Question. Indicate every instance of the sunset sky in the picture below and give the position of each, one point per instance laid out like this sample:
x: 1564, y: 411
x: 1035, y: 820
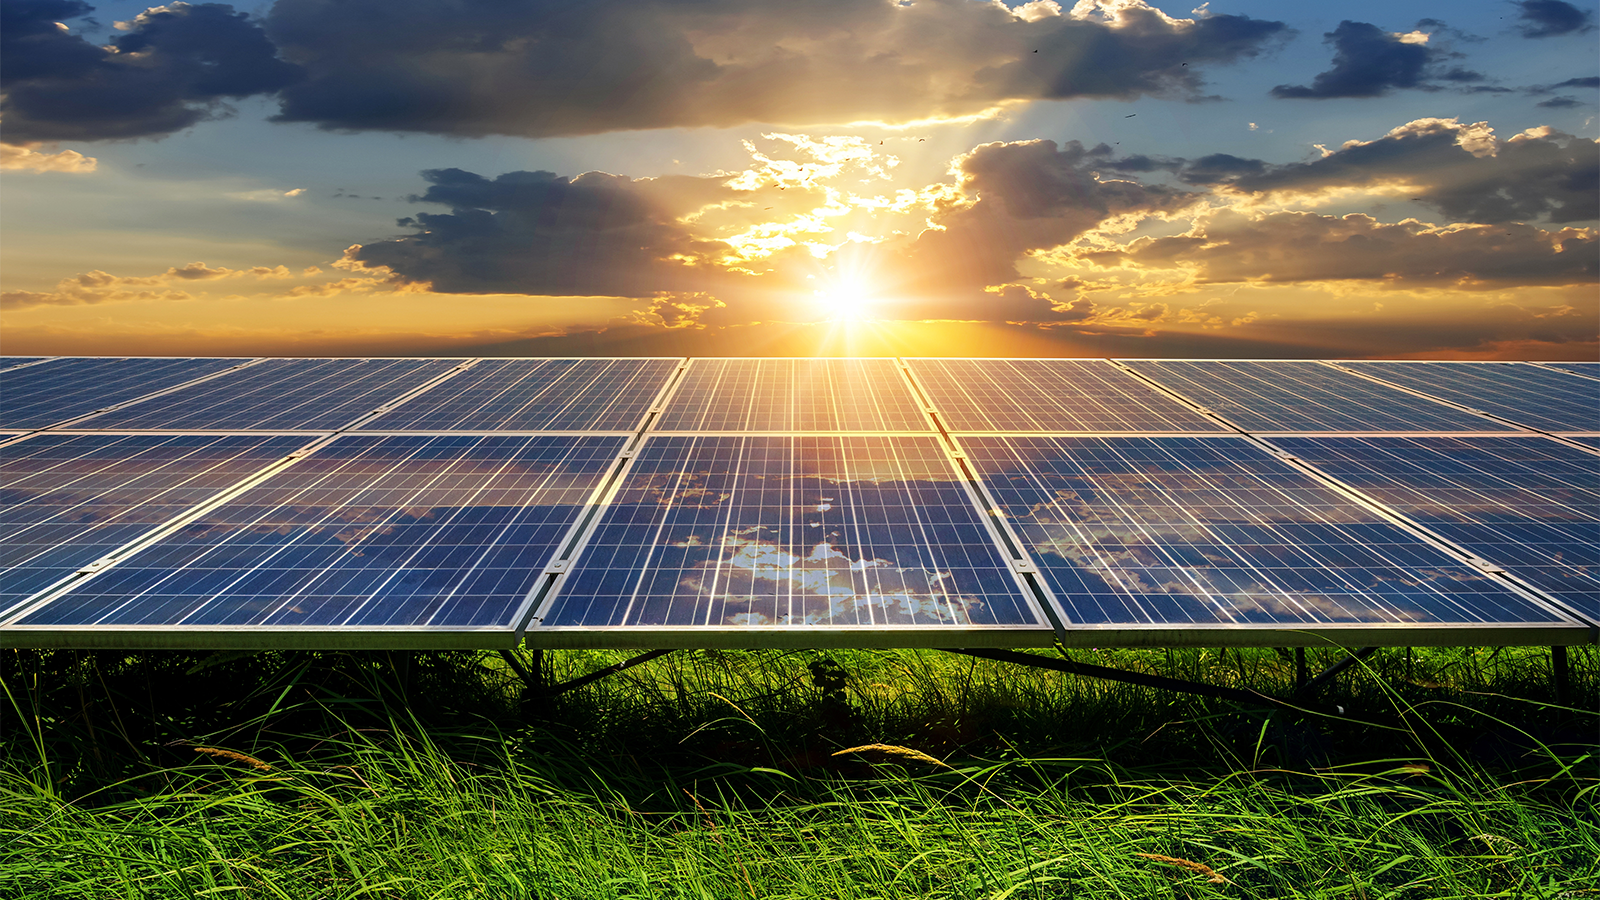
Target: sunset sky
x: 770, y: 177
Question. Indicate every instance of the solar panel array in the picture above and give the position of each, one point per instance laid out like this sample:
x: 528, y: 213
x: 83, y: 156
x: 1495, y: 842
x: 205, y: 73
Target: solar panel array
x: 795, y: 502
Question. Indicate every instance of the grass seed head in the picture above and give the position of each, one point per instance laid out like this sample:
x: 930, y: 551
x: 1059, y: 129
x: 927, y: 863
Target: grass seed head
x: 893, y: 750
x: 230, y: 754
x: 1198, y: 868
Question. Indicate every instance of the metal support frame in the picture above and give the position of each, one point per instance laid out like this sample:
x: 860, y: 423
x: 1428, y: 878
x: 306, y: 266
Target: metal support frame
x: 1092, y: 671
x: 1332, y: 672
x: 1559, y: 672
x: 1304, y: 688
x: 535, y: 679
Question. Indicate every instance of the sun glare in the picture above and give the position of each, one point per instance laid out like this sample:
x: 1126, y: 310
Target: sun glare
x: 845, y: 301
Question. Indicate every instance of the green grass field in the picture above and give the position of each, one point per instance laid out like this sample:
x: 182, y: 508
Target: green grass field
x: 868, y: 774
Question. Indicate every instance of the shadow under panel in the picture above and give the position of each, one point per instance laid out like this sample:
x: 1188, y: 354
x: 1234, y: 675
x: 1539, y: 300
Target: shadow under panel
x: 793, y: 395
x: 1203, y: 540
x: 1301, y: 395
x: 1528, y: 504
x: 66, y: 500
x: 793, y: 541
x: 442, y: 535
x: 1528, y: 395
x: 281, y: 395
x: 66, y: 388
x: 535, y: 395
x: 1019, y: 395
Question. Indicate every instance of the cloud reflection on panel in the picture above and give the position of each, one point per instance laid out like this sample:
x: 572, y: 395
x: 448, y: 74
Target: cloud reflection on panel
x: 1204, y: 531
x: 787, y: 531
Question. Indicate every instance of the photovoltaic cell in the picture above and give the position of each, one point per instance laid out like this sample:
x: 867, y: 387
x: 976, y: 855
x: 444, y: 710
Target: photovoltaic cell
x: 1588, y: 440
x: 791, y: 531
x: 66, y: 500
x: 1528, y: 395
x: 535, y: 395
x: 1591, y: 369
x: 1301, y: 395
x: 11, y: 362
x: 280, y: 394
x: 1529, y: 504
x: 1019, y: 395
x: 446, y: 531
x: 64, y: 388
x: 793, y: 395
x: 1188, y: 532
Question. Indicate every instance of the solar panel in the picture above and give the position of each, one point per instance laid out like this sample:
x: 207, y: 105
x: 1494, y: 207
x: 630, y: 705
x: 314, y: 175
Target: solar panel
x: 280, y: 394
x: 793, y: 395
x: 1529, y: 504
x: 1302, y: 395
x: 439, y: 532
x: 1588, y: 440
x: 792, y: 532
x: 1186, y: 533
x: 62, y: 389
x: 536, y: 395
x: 1019, y: 395
x: 11, y: 362
x: 1528, y: 395
x: 1591, y: 369
x: 66, y: 500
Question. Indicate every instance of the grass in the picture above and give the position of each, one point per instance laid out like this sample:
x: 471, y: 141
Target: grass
x: 705, y: 774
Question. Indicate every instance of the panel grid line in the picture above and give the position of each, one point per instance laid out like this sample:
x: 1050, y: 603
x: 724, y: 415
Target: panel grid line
x: 7, y: 397
x: 1389, y: 514
x: 1562, y: 402
x: 449, y: 532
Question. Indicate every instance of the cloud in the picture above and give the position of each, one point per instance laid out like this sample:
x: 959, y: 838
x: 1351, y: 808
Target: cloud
x: 171, y: 67
x: 95, y: 287
x: 1030, y: 195
x: 541, y: 233
x: 1465, y: 171
x: 1370, y: 62
x: 774, y: 242
x: 553, y: 68
x: 30, y: 159
x: 1548, y: 18
x: 544, y: 67
x: 1231, y: 246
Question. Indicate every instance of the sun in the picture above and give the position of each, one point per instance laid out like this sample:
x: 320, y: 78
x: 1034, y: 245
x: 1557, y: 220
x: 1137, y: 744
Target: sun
x: 845, y: 301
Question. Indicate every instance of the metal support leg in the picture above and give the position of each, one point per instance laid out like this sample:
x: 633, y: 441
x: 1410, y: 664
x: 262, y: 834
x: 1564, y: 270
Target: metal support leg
x: 535, y: 679
x: 1558, y: 668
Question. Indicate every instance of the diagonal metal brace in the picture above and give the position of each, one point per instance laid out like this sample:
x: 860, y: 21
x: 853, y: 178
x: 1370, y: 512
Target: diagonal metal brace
x: 1092, y: 671
x: 594, y: 676
x: 1315, y: 684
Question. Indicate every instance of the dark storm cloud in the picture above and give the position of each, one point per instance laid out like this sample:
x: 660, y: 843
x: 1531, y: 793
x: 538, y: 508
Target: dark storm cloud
x: 170, y: 68
x: 1370, y: 62
x: 1462, y: 170
x: 550, y: 68
x: 1548, y: 18
x: 543, y: 234
x: 32, y: 46
x: 1228, y: 246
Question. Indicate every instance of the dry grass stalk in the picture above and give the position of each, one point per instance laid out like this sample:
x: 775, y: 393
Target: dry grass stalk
x: 893, y: 750
x: 230, y: 754
x: 1198, y: 868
